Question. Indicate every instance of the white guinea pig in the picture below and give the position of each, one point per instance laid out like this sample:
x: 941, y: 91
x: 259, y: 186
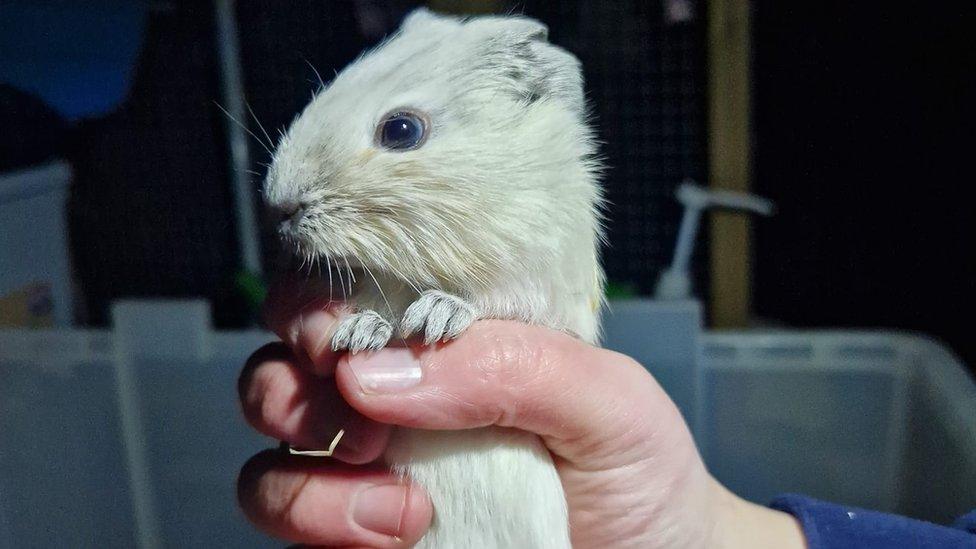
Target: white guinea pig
x: 453, y: 169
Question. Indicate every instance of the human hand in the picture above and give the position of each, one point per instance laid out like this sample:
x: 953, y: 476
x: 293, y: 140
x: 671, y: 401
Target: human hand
x: 631, y: 472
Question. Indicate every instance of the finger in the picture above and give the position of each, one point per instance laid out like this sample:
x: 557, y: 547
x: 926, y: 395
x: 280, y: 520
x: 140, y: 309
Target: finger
x: 303, y: 313
x: 287, y: 402
x: 322, y: 503
x: 590, y: 405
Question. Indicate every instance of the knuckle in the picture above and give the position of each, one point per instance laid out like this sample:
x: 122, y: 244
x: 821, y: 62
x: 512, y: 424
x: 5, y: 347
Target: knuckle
x: 510, y: 350
x: 249, y: 481
x: 514, y: 363
x: 270, y: 351
x: 271, y: 495
x: 268, y: 396
x: 300, y: 510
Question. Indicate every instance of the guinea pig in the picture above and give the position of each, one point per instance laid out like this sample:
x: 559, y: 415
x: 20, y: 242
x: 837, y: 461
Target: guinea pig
x: 449, y: 175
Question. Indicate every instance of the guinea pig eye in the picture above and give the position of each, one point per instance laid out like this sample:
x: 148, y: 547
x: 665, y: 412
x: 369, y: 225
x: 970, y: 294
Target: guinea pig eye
x: 402, y: 131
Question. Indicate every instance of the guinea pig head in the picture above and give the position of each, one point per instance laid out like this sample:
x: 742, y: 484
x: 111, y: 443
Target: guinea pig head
x: 454, y: 152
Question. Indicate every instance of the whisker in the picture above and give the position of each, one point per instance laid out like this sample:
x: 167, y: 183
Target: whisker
x: 311, y: 260
x: 245, y: 128
x: 342, y: 285
x: 387, y: 301
x: 317, y: 75
x: 349, y: 275
x: 404, y: 278
x: 352, y: 276
x: 305, y: 292
x: 258, y: 122
x: 328, y: 266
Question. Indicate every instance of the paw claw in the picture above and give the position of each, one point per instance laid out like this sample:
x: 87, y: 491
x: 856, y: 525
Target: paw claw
x: 438, y: 315
x: 340, y: 339
x: 457, y: 324
x: 365, y: 330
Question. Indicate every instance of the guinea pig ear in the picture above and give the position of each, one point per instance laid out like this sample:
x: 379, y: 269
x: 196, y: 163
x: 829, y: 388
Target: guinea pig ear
x: 520, y: 28
x: 509, y: 28
x: 556, y: 73
x: 532, y: 67
x: 422, y: 18
x: 417, y: 16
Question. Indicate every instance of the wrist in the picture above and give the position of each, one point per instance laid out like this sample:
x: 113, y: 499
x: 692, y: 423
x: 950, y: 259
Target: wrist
x: 740, y: 524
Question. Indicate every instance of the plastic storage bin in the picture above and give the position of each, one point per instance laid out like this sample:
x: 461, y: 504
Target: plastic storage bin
x: 102, y: 443
x: 665, y: 337
x: 874, y: 419
x: 35, y: 275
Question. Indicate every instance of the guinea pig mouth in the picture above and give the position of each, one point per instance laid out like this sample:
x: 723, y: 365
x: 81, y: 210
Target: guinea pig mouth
x: 299, y: 249
x: 346, y: 268
x: 351, y: 262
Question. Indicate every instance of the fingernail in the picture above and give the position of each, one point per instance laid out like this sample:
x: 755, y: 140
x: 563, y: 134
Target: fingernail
x: 386, y: 371
x: 315, y: 321
x: 313, y: 333
x: 302, y: 322
x: 380, y: 508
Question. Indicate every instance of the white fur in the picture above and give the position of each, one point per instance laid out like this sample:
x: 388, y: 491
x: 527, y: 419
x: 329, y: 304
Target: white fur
x: 496, y: 215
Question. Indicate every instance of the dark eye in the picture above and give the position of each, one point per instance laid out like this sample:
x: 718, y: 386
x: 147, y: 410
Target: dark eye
x: 402, y: 130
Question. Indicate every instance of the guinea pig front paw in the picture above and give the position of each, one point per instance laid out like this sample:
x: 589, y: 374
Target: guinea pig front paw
x: 440, y: 315
x: 365, y: 330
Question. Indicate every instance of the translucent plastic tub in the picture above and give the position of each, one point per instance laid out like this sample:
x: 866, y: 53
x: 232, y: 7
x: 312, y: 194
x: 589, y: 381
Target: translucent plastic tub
x: 133, y: 437
x: 35, y: 274
x: 876, y: 419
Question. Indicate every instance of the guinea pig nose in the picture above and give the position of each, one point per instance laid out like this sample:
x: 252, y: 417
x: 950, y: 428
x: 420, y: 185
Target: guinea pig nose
x: 288, y: 212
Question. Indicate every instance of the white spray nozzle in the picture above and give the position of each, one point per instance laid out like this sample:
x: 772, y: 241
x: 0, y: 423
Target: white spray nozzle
x: 693, y: 196
x: 675, y: 281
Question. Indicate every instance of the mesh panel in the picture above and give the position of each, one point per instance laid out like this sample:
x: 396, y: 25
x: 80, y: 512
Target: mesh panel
x: 151, y: 211
x: 645, y: 80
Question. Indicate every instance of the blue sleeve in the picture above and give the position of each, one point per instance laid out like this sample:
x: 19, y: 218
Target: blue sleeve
x: 831, y: 526
x: 967, y: 522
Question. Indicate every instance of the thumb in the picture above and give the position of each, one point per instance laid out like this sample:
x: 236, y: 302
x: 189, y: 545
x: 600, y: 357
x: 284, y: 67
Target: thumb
x: 592, y: 407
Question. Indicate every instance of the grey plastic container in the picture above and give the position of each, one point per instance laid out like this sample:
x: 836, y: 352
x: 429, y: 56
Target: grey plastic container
x: 34, y: 236
x: 133, y: 437
x: 874, y: 419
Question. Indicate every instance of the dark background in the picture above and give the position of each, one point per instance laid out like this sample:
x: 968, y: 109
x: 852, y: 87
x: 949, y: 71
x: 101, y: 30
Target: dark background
x: 864, y: 138
x: 151, y: 212
x: 862, y: 132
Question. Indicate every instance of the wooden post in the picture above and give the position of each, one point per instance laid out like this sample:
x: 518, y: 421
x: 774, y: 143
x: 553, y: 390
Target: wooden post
x: 729, y: 157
